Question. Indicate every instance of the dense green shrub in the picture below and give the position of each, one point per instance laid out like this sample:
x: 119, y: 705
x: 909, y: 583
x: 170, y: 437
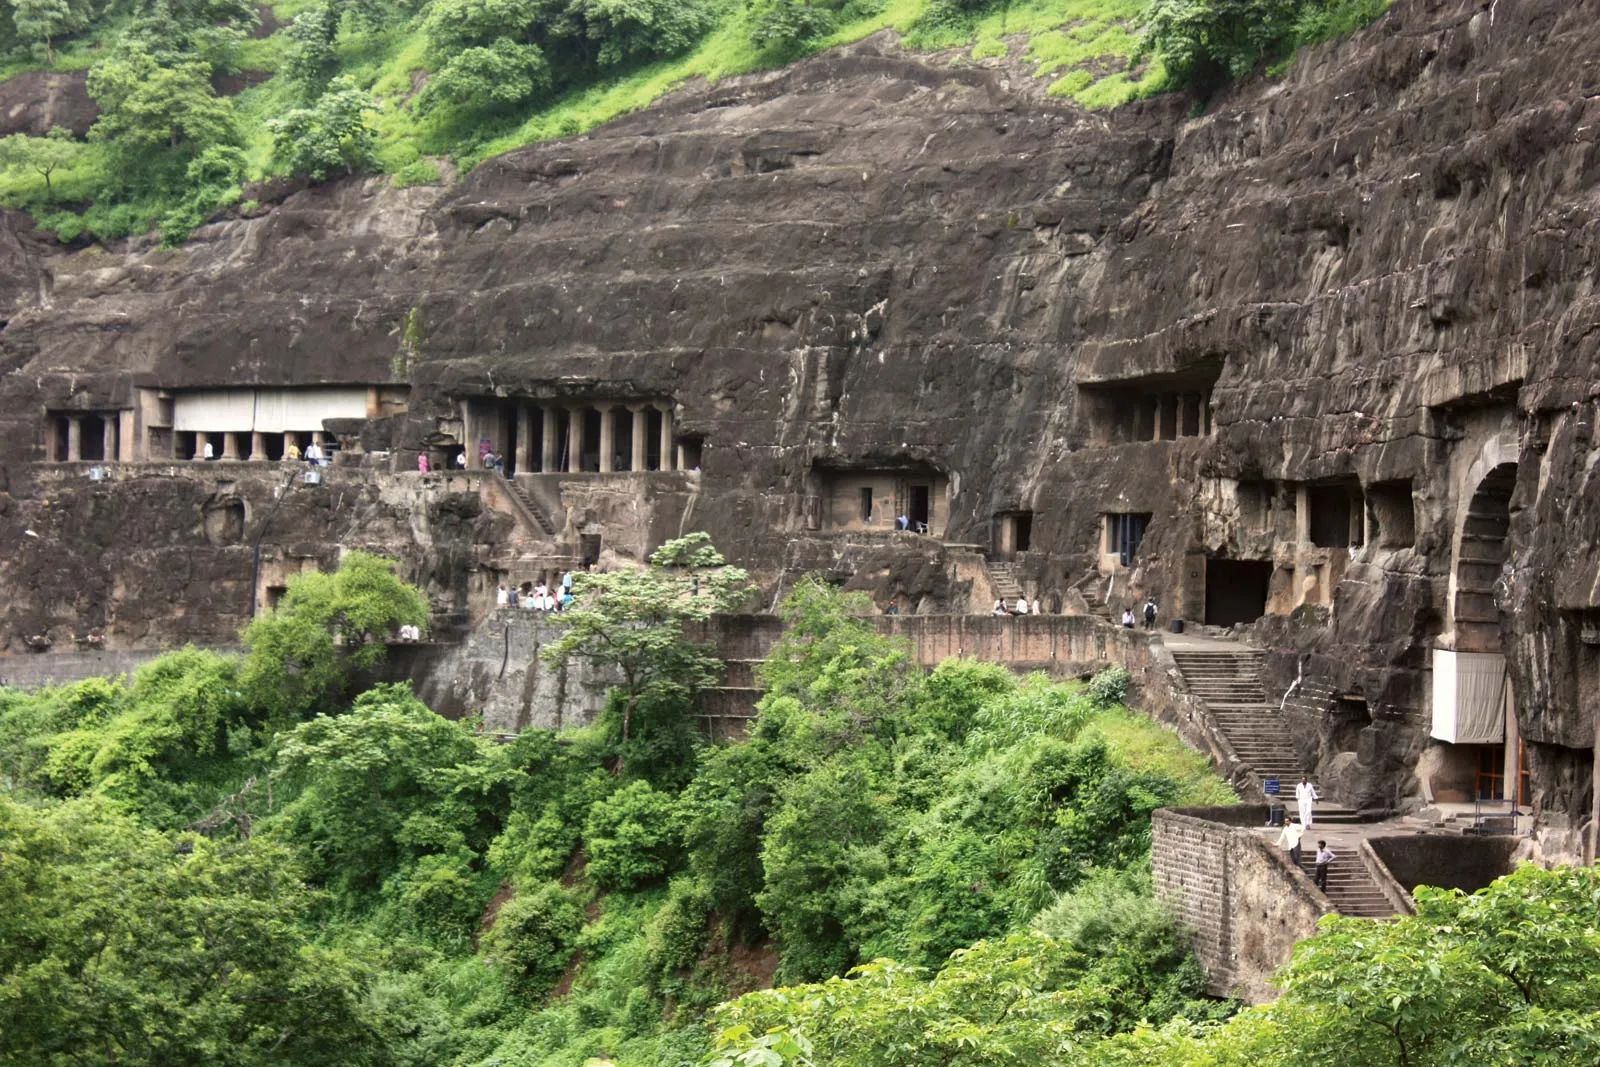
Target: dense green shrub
x: 1206, y: 42
x: 534, y: 936
x: 333, y: 136
x: 1110, y: 686
x: 632, y: 837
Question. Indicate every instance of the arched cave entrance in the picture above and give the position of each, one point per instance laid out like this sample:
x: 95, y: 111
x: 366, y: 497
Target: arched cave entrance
x: 1473, y: 707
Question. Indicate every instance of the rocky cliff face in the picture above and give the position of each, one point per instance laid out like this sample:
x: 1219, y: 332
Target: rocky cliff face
x: 1379, y: 270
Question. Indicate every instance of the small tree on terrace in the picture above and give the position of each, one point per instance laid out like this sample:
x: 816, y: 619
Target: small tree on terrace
x: 327, y: 627
x: 632, y: 621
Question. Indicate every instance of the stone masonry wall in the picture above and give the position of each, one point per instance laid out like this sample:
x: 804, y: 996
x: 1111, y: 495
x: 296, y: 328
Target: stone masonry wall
x: 1246, y: 906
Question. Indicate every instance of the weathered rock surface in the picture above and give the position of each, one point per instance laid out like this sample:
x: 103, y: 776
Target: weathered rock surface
x: 1381, y: 266
x: 37, y: 101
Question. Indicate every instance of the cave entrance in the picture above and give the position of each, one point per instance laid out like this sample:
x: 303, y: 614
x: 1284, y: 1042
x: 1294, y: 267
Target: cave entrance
x: 1474, y: 707
x: 920, y: 508
x: 1236, y: 590
x: 1480, y: 559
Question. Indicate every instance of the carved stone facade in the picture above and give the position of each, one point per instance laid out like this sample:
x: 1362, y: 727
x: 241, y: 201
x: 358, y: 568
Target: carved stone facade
x: 1319, y: 361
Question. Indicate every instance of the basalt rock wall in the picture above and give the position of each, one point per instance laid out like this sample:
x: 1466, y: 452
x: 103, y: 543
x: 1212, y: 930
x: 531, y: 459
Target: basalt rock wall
x: 1380, y: 267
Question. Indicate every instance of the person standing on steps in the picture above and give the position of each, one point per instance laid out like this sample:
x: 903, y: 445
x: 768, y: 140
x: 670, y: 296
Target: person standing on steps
x: 1290, y: 839
x: 1150, y: 613
x: 1306, y: 796
x: 1325, y: 856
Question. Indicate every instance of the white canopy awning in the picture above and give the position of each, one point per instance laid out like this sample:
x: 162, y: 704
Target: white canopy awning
x: 1469, y: 697
x: 266, y: 410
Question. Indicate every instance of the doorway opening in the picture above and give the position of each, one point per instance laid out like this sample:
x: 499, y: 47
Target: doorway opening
x: 1236, y: 590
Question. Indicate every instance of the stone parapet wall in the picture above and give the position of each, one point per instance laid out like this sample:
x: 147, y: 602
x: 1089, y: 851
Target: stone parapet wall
x: 1246, y: 905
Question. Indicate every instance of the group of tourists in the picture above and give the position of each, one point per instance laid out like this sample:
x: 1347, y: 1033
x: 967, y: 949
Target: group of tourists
x: 1306, y: 797
x: 1150, y: 612
x: 530, y: 596
x: 1020, y: 607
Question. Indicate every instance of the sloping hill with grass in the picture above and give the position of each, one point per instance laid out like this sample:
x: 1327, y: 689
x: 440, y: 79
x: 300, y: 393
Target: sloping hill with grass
x: 197, y: 99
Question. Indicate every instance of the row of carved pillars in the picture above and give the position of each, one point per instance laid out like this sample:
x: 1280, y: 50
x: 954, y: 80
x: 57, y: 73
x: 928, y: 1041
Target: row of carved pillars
x: 71, y: 451
x: 227, y: 444
x: 555, y: 456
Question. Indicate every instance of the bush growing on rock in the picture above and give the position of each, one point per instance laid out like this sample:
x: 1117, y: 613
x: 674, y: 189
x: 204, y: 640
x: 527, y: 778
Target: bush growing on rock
x: 534, y: 936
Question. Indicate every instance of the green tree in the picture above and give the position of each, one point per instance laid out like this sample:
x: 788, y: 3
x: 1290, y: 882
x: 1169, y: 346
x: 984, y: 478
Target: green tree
x: 452, y: 26
x: 621, y: 31
x: 788, y: 25
x: 120, y: 945
x: 632, y: 622
x: 158, y: 117
x: 332, y: 136
x: 496, y: 77
x: 311, y: 59
x: 41, y: 155
x: 41, y: 21
x: 384, y: 784
x: 326, y: 627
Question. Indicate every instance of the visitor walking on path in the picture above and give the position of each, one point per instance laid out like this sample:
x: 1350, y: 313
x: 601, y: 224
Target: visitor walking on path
x: 1290, y: 839
x: 1325, y: 856
x: 1150, y: 613
x: 1306, y: 795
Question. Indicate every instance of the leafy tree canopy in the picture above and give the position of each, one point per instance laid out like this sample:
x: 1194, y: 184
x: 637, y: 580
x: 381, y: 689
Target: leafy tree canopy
x: 332, y: 136
x: 327, y: 626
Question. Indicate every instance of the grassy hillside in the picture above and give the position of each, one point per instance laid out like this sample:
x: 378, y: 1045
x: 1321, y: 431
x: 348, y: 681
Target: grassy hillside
x: 413, y: 88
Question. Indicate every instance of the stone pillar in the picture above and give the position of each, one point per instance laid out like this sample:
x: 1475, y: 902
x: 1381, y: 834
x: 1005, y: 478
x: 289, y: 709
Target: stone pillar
x: 230, y: 446
x: 575, y: 440
x: 1205, y: 414
x: 641, y: 429
x: 608, y: 437
x: 677, y: 457
x: 1302, y: 515
x: 666, y: 437
x: 524, y: 450
x: 108, y: 438
x: 258, y: 446
x: 74, y: 438
x: 547, y: 453
x: 127, y: 436
x: 469, y: 436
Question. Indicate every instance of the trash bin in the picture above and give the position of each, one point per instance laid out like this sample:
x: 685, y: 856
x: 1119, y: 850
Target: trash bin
x: 1177, y: 626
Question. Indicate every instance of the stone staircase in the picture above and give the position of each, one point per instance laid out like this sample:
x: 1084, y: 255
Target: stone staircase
x: 522, y: 501
x: 1351, y: 887
x: 1228, y: 681
x: 1003, y: 580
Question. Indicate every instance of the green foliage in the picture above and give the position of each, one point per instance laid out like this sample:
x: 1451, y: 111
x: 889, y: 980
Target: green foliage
x: 534, y: 936
x: 786, y: 26
x: 383, y: 785
x: 121, y: 945
x: 333, y: 136
x: 312, y: 59
x: 326, y: 626
x: 40, y: 22
x: 877, y: 812
x: 1110, y: 686
x: 632, y: 837
x: 1205, y: 42
x: 495, y: 77
x: 632, y: 622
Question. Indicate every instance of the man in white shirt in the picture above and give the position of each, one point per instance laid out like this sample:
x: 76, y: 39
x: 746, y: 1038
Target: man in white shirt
x: 314, y: 454
x: 1022, y: 605
x: 1306, y: 795
x: 206, y: 451
x: 1290, y: 839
